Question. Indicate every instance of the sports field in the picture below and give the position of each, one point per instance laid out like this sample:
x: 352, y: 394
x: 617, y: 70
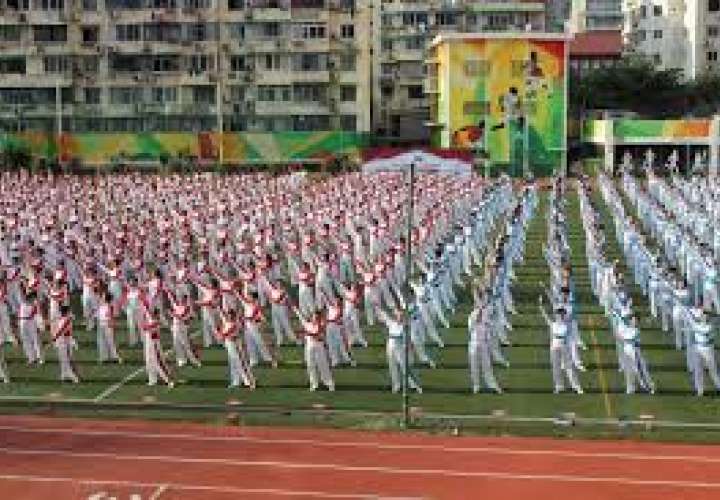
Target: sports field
x: 528, y: 405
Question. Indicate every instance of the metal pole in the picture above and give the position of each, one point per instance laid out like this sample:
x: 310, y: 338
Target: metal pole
x: 408, y: 272
x: 58, y: 117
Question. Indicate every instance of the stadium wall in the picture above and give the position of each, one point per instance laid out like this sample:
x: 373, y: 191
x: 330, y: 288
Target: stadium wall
x: 104, y: 148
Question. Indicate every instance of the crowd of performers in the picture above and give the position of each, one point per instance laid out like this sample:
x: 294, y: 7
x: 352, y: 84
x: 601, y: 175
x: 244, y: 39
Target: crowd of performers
x: 247, y: 256
x: 259, y: 262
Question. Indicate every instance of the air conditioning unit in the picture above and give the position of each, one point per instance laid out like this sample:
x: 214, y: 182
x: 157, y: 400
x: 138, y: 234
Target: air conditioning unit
x: 249, y: 77
x: 232, y: 76
x: 22, y: 18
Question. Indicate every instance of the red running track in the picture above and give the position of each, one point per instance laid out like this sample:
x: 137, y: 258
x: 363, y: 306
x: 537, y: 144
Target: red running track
x: 51, y: 458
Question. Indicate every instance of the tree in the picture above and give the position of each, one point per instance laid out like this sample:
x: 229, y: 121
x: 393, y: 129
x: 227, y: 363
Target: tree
x: 634, y: 84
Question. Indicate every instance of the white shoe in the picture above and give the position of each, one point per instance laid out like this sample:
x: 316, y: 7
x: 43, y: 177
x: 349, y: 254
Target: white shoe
x: 331, y: 388
x: 313, y: 388
x: 171, y: 385
x: 475, y: 389
x: 498, y: 390
x: 418, y: 389
x: 579, y: 391
x: 432, y: 364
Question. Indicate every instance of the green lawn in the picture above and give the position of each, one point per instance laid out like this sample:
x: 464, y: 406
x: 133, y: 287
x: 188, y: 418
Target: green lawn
x: 527, y: 383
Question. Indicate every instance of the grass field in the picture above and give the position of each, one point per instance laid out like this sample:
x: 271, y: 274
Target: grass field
x: 111, y: 390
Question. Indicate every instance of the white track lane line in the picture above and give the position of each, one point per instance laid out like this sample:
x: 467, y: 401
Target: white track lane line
x: 367, y: 469
x: 366, y: 445
x: 194, y: 487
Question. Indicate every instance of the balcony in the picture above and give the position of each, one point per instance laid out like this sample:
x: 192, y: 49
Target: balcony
x: 319, y: 76
x: 269, y: 14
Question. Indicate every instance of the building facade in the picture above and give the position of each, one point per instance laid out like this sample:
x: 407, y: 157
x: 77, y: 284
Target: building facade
x: 591, y: 15
x: 185, y: 65
x: 674, y: 34
x: 402, y: 33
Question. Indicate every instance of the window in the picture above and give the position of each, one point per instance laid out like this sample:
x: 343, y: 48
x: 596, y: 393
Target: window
x: 387, y: 69
x: 161, y: 95
x: 310, y: 31
x: 89, y: 5
x: 657, y: 34
x: 196, y: 4
x: 415, y: 18
x: 445, y: 19
x: 347, y: 31
x: 714, y: 5
x: 272, y: 62
x: 50, y: 4
x: 237, y: 31
x: 127, y: 32
x: 309, y: 93
x: 387, y: 20
x: 348, y: 93
x: 165, y: 64
x: 386, y: 44
x: 414, y: 43
x: 236, y: 4
x: 415, y: 92
x: 89, y: 34
x: 310, y: 62
x: 237, y: 93
x: 200, y: 63
x: 712, y: 31
x: 270, y: 30
x: 657, y: 10
x: 56, y: 64
x: 712, y: 56
x: 238, y: 63
x: 126, y: 95
x: 18, y: 4
x: 91, y: 95
x: 347, y: 62
x: 641, y: 35
x: 10, y: 33
x: 386, y: 92
x: 348, y: 123
x: 50, y: 33
x: 88, y: 64
x: 203, y: 95
x: 199, y: 32
x: 308, y: 123
x: 657, y: 59
x: 643, y: 11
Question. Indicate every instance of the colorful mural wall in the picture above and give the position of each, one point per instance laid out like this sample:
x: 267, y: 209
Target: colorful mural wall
x: 504, y: 96
x: 631, y: 130
x: 671, y: 129
x: 238, y: 147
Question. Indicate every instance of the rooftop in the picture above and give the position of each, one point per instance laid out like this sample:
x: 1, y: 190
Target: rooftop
x: 596, y: 44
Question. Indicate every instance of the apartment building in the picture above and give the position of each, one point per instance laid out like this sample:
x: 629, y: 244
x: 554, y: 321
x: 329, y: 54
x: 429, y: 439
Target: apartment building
x: 402, y: 33
x: 591, y: 15
x: 185, y: 65
x: 675, y: 34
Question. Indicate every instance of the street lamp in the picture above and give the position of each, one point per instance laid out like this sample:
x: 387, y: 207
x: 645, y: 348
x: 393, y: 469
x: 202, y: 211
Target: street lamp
x: 408, y: 273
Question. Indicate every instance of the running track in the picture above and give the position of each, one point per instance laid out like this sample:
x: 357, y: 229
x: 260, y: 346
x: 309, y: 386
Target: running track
x: 58, y: 459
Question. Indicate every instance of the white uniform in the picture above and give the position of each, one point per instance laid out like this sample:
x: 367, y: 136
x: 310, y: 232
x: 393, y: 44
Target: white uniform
x: 703, y: 357
x: 395, y: 353
x: 479, y: 352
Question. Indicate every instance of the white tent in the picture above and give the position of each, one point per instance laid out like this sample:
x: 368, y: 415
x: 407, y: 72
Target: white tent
x: 425, y: 162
